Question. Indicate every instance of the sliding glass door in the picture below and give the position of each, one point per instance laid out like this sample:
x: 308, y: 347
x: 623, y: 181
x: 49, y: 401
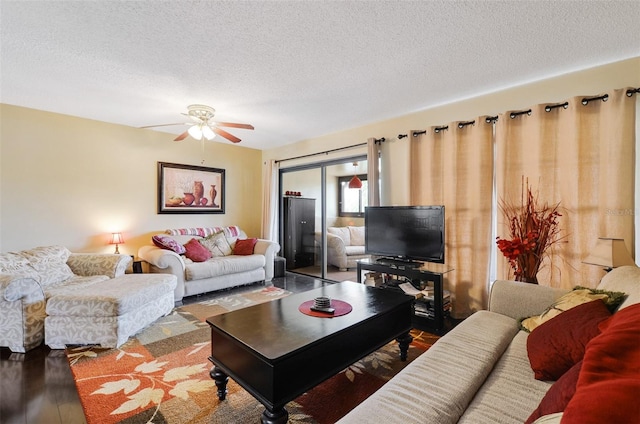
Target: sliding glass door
x: 316, y: 197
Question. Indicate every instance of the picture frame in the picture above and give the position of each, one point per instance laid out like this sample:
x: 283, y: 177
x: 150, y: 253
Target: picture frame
x: 189, y: 189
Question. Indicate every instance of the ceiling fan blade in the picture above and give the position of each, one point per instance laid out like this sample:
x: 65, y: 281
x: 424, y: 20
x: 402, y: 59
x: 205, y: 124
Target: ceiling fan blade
x: 164, y: 125
x: 234, y: 125
x: 181, y: 136
x: 223, y: 133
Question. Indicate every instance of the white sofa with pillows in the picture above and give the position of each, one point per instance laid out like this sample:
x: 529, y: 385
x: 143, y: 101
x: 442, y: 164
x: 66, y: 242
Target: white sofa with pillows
x: 345, y: 246
x: 580, y: 364
x: 210, y: 259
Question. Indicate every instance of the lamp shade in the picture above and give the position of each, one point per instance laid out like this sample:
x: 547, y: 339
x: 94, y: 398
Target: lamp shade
x: 609, y: 253
x: 195, y: 131
x: 116, y: 238
x: 355, y: 182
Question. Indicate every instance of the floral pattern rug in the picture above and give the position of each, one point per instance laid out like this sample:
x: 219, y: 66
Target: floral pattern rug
x: 162, y: 375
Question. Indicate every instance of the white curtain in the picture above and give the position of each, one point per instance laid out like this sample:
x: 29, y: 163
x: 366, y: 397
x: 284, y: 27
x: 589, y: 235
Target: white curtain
x: 270, y: 200
x: 373, y: 173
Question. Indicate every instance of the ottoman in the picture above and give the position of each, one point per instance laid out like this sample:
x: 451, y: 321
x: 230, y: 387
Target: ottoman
x: 107, y: 314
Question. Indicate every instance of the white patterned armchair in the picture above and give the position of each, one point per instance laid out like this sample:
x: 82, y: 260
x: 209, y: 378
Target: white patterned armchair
x: 26, y: 278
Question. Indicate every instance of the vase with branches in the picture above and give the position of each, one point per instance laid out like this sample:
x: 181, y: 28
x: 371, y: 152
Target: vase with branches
x: 533, y: 228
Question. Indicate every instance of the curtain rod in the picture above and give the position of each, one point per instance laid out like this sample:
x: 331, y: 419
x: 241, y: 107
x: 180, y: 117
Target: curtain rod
x: 491, y: 119
x: 326, y: 152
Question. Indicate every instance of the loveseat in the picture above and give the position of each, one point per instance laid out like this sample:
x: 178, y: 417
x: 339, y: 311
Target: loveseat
x: 228, y: 268
x: 586, y: 362
x: 29, y: 277
x: 345, y: 246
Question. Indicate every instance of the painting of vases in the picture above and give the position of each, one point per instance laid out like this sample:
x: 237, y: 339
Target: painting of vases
x: 181, y: 189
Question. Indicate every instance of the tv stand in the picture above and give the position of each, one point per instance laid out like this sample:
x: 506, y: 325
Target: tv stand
x: 423, y: 272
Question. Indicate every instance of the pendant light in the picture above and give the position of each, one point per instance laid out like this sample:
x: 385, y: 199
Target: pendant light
x: 355, y: 181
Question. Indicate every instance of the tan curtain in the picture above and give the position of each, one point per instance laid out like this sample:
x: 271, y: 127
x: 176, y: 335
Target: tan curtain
x: 583, y: 157
x: 454, y: 167
x: 373, y: 171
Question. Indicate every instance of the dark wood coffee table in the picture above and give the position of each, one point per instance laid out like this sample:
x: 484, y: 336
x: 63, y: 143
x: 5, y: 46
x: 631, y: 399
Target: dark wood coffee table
x: 277, y: 353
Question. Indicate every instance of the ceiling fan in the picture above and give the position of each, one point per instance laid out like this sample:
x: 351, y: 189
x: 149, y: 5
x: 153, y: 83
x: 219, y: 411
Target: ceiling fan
x: 203, y: 125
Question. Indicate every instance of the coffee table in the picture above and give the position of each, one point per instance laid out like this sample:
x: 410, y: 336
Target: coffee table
x: 277, y: 353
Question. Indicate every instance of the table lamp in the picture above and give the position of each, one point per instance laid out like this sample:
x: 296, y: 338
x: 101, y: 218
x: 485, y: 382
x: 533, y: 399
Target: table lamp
x: 609, y: 253
x: 116, y: 238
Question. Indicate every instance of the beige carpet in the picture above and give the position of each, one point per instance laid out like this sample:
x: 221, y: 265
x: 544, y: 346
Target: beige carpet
x: 162, y: 375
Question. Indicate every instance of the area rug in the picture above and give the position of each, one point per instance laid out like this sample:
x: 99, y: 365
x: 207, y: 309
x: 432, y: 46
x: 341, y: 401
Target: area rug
x: 162, y: 375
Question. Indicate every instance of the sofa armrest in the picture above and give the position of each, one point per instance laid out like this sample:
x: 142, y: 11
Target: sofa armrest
x: 518, y: 300
x: 15, y: 287
x: 88, y: 264
x: 268, y: 249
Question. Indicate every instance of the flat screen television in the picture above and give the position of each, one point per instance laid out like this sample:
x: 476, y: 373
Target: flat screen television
x: 407, y: 233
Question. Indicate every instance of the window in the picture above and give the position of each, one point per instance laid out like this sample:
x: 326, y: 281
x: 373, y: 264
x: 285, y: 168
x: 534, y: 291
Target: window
x: 351, y: 201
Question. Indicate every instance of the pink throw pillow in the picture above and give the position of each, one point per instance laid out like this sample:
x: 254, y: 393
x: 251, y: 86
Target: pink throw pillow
x: 558, y: 344
x: 196, y: 251
x: 245, y: 246
x: 164, y: 242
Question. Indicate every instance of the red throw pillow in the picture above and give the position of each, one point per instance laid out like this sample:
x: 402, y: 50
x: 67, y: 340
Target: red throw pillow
x: 609, y: 381
x: 245, y: 246
x: 196, y: 252
x: 165, y: 242
x: 559, y: 394
x: 558, y: 344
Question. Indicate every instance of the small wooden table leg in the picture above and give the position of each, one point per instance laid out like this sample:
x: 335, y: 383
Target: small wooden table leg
x: 404, y: 341
x: 221, y: 380
x: 275, y: 416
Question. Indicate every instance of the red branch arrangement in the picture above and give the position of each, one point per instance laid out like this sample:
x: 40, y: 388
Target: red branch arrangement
x: 533, y: 229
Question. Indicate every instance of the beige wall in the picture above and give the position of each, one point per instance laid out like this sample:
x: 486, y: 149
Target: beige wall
x: 71, y: 181
x: 394, y: 172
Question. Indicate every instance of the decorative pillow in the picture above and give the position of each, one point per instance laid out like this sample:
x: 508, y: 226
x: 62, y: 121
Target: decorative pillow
x: 342, y: 232
x: 217, y: 244
x: 196, y: 252
x: 609, y: 381
x: 577, y: 296
x: 558, y: 344
x: 245, y: 246
x: 165, y: 242
x: 50, y: 262
x: 559, y: 395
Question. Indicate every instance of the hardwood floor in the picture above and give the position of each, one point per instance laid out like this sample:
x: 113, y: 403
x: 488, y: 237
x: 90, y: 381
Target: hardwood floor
x: 37, y: 387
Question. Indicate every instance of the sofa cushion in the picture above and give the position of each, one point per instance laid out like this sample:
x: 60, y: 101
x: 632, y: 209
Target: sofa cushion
x: 342, y: 232
x: 166, y: 242
x: 559, y: 395
x: 50, y: 262
x: 357, y: 236
x: 623, y: 279
x: 609, y: 381
x: 577, y: 296
x: 230, y: 232
x: 215, y: 267
x: 558, y: 344
x: 245, y: 246
x: 196, y: 251
x: 17, y: 265
x: 18, y: 286
x: 217, y: 244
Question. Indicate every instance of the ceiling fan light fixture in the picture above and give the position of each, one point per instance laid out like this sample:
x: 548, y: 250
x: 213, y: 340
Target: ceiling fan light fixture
x: 195, y: 131
x: 207, y: 132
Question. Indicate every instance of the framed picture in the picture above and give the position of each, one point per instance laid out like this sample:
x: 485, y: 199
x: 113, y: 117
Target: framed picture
x: 190, y: 189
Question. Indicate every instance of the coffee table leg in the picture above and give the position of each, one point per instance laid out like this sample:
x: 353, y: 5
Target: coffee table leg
x: 275, y: 416
x: 404, y: 341
x: 221, y: 380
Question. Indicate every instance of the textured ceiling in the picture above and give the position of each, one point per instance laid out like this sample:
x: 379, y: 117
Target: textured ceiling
x: 293, y: 69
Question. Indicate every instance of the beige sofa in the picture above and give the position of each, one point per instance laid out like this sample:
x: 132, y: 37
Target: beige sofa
x: 480, y: 372
x: 213, y: 274
x: 29, y: 277
x: 345, y: 246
